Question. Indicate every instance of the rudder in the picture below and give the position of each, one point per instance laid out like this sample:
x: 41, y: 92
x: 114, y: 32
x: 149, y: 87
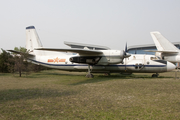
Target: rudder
x: 32, y: 39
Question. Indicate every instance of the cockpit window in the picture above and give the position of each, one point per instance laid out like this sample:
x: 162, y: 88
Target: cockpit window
x: 154, y: 58
x: 159, y: 58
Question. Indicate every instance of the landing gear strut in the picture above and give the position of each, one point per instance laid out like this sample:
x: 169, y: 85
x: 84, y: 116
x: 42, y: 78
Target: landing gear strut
x: 155, y: 75
x: 89, y: 75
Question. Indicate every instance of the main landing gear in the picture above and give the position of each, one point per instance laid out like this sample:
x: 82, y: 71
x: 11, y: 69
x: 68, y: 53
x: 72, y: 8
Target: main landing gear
x: 107, y: 74
x: 89, y: 75
x: 155, y: 75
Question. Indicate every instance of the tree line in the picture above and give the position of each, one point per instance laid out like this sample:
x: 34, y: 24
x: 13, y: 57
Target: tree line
x: 17, y: 63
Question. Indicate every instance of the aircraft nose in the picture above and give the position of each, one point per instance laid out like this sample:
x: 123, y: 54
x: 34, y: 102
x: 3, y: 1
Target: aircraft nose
x: 170, y: 66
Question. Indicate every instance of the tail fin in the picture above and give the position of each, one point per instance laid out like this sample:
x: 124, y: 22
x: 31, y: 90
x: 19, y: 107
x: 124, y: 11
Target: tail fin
x: 161, y: 42
x: 32, y: 39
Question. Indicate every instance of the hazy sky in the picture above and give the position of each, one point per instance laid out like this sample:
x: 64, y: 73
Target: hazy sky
x: 109, y: 23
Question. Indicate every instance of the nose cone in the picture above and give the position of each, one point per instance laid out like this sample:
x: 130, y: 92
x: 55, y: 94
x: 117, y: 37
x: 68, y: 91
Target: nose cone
x: 170, y: 66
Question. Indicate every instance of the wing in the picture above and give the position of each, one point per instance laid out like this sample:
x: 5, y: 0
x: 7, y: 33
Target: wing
x: 80, y: 51
x: 163, y: 51
x: 89, y: 46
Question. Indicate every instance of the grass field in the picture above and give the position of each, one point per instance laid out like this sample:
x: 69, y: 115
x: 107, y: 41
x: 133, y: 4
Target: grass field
x: 58, y: 95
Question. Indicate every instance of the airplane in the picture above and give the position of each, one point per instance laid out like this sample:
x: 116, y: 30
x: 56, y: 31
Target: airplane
x: 91, y: 58
x: 165, y: 49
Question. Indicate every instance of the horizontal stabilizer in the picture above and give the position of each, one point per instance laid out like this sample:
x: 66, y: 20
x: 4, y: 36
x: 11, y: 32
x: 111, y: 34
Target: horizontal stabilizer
x: 80, y: 51
x: 17, y: 52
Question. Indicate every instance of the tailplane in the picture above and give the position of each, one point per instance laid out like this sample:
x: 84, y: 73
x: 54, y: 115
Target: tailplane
x: 32, y: 39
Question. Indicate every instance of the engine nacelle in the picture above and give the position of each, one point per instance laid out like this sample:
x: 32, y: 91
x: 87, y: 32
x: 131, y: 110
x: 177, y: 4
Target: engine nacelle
x: 106, y: 58
x: 112, y: 57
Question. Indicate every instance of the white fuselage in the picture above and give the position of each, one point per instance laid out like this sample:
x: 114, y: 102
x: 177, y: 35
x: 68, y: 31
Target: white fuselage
x: 135, y: 63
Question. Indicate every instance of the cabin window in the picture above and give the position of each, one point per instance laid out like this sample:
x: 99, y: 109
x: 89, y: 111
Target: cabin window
x: 134, y: 57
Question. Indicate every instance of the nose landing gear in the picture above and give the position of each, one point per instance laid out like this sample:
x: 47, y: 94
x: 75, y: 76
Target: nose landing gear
x: 89, y: 75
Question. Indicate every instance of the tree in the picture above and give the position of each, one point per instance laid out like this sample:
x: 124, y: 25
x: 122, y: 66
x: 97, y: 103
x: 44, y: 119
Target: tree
x: 4, y: 61
x: 20, y: 60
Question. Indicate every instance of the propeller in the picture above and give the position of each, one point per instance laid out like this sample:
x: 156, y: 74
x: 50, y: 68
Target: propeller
x: 126, y: 55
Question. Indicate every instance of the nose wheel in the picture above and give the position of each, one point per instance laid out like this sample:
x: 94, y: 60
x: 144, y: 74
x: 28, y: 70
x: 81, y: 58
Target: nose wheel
x: 89, y: 75
x: 155, y: 75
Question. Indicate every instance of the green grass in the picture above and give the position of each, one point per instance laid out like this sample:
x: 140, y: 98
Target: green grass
x: 53, y: 95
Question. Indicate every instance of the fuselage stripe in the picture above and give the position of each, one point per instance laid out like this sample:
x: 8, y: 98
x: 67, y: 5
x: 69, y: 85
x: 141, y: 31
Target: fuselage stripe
x: 118, y: 65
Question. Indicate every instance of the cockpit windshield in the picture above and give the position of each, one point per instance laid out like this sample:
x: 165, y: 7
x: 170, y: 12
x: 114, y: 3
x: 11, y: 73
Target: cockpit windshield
x: 155, y: 58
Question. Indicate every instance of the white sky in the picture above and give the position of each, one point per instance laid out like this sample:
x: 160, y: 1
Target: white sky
x: 109, y: 23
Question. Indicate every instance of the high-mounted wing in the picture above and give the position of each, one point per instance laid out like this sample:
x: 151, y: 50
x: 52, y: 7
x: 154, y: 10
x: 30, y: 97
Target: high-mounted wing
x: 80, y: 51
x: 163, y: 51
x: 82, y: 46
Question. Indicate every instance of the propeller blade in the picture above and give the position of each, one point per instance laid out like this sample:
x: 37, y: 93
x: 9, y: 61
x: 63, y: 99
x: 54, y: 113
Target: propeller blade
x: 126, y: 55
x: 126, y: 47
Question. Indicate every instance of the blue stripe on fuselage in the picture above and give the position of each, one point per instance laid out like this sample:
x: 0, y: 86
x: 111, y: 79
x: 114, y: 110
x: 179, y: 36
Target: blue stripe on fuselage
x: 118, y: 65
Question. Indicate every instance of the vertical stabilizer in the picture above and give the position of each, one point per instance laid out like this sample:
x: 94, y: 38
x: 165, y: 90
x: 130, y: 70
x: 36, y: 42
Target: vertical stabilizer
x: 161, y: 42
x: 32, y: 39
